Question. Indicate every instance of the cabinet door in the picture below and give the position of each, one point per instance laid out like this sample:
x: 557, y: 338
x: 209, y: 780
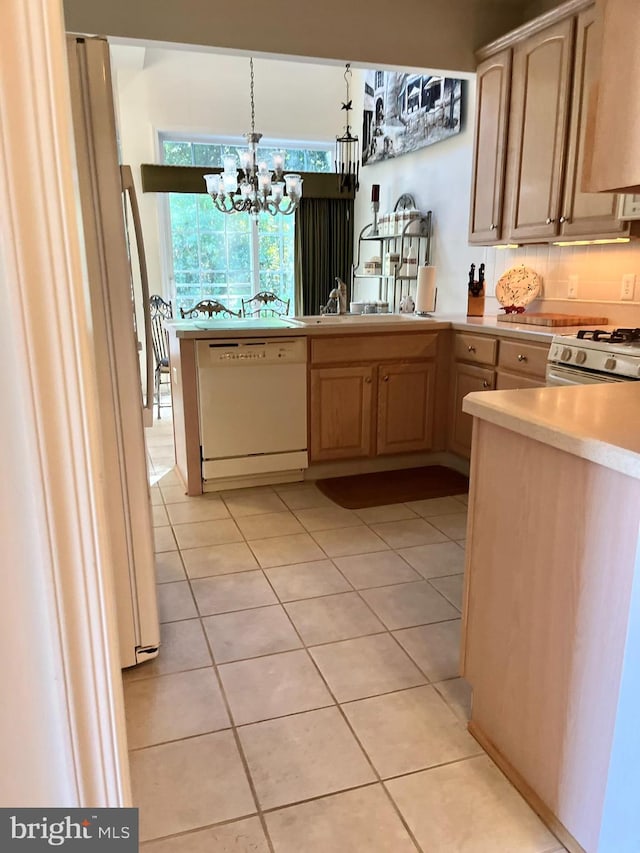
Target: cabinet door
x: 405, y: 407
x: 490, y: 148
x: 340, y: 416
x: 466, y: 378
x: 585, y: 214
x: 539, y: 122
x: 615, y: 164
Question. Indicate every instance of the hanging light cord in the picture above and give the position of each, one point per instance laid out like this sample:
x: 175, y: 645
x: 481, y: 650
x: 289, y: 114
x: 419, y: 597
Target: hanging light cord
x: 253, y: 108
x: 347, y: 105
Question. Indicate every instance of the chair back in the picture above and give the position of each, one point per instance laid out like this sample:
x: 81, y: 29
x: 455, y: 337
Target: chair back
x: 265, y: 304
x: 208, y: 307
x: 160, y: 310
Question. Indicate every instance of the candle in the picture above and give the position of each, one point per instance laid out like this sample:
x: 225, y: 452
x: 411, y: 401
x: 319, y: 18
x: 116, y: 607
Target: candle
x: 375, y: 192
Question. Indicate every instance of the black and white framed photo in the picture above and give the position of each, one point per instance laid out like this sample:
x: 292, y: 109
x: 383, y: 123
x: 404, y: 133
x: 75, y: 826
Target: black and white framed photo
x: 404, y: 112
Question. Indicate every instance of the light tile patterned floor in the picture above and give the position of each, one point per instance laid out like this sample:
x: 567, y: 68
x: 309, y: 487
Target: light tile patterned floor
x: 306, y: 698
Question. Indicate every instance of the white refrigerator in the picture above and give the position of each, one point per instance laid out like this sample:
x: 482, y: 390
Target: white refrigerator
x: 117, y: 284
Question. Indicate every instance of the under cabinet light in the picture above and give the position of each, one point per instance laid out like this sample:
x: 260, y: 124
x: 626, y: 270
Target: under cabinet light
x: 610, y: 240
x: 507, y: 246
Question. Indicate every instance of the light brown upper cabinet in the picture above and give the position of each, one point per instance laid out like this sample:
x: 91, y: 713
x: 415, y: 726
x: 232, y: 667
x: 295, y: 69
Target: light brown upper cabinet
x: 490, y: 151
x: 539, y: 122
x: 540, y: 103
x: 585, y: 214
x: 614, y: 162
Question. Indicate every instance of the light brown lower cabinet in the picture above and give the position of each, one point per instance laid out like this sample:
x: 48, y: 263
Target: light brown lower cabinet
x: 512, y: 381
x: 376, y: 394
x: 466, y: 378
x: 405, y: 407
x: 340, y: 412
x: 521, y: 365
x: 371, y: 410
x: 546, y: 632
x: 518, y: 364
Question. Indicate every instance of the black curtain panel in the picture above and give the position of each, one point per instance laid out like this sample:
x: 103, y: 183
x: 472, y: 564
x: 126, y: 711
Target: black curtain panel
x: 324, y: 250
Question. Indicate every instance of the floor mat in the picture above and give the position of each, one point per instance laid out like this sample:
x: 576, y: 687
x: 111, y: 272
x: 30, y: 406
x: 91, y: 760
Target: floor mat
x: 393, y: 487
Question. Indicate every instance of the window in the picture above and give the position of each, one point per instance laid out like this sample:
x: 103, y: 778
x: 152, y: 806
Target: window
x: 230, y: 257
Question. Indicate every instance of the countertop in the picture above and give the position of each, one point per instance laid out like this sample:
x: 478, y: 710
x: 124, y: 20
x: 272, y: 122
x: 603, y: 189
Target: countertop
x: 596, y: 422
x: 350, y: 324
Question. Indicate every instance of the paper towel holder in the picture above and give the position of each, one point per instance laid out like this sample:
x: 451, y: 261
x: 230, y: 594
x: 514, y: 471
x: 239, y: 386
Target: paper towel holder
x: 431, y: 310
x: 426, y: 282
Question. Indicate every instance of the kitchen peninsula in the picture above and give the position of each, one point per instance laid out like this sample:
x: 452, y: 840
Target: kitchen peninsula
x: 551, y: 619
x: 430, y: 363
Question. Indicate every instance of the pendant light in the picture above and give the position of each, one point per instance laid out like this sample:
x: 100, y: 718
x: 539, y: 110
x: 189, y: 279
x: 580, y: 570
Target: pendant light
x: 259, y: 191
x: 347, y: 162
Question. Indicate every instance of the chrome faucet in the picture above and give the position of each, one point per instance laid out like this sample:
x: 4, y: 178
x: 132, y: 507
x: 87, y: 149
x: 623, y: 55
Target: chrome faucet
x: 337, y: 302
x: 342, y: 295
x: 333, y: 303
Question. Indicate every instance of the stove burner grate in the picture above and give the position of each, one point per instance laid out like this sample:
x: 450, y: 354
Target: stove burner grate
x: 617, y: 336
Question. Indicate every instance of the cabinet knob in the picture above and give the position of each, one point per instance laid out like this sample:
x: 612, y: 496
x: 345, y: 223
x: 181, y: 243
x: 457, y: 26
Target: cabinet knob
x: 492, y: 227
x: 385, y: 378
x: 471, y: 348
x: 485, y: 383
x: 522, y: 357
x: 564, y: 219
x: 367, y: 379
x: 549, y: 220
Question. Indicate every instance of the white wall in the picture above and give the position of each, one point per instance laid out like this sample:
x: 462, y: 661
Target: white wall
x: 439, y: 178
x: 208, y: 93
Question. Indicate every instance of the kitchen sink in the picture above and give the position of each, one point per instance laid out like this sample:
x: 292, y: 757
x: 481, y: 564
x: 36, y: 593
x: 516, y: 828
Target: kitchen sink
x: 352, y: 319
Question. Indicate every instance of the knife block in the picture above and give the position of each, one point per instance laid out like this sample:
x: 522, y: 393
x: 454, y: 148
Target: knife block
x: 475, y: 305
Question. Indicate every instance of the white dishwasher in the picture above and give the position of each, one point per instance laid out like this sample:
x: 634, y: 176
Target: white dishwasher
x: 252, y: 404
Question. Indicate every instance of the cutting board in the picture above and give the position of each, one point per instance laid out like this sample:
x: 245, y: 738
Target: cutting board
x: 539, y: 319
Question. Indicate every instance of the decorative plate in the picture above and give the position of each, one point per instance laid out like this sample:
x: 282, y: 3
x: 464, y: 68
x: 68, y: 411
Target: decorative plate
x: 517, y: 288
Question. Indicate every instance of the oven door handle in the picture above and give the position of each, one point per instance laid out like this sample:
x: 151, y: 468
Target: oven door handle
x: 560, y: 376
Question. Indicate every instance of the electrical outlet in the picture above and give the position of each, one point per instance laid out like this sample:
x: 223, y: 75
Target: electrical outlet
x: 572, y: 290
x: 628, y: 285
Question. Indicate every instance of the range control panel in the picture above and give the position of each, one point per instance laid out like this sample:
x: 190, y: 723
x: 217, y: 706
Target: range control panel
x: 251, y: 351
x: 621, y: 360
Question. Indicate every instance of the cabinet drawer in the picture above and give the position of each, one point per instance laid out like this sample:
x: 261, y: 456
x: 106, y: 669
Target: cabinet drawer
x: 475, y: 348
x: 530, y: 359
x: 513, y: 381
x: 354, y: 348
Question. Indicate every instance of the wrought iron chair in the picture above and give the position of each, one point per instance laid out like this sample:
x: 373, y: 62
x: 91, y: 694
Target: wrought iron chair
x: 265, y: 304
x: 208, y: 307
x: 160, y: 310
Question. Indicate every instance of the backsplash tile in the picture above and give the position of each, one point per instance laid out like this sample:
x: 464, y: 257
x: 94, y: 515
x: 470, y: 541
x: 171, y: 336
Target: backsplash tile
x: 599, y: 270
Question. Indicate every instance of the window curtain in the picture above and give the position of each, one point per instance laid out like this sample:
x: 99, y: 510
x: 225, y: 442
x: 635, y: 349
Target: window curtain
x: 324, y: 250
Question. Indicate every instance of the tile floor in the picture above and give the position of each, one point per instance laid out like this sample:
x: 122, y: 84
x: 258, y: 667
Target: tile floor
x: 306, y: 697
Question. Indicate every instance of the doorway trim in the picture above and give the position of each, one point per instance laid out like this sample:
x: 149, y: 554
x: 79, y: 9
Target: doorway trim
x: 54, y: 492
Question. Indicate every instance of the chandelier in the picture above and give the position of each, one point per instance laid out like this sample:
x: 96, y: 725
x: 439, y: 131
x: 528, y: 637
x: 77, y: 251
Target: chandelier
x: 347, y: 148
x: 259, y: 191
